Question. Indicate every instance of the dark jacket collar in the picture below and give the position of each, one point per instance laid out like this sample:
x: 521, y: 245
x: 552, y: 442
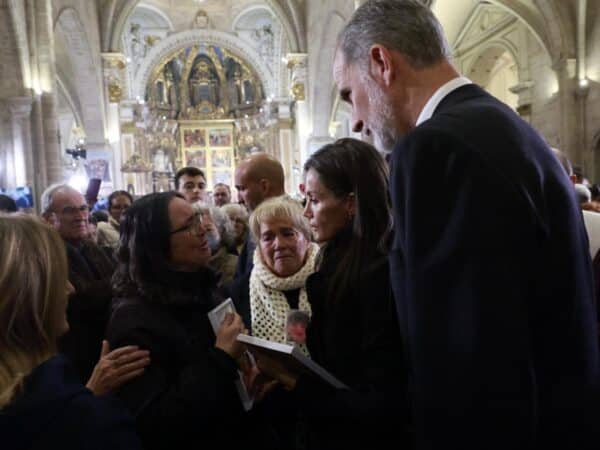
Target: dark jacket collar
x: 460, y: 95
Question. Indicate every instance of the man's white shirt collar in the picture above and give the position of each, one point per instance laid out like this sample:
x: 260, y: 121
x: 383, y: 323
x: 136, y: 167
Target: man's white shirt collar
x: 439, y: 95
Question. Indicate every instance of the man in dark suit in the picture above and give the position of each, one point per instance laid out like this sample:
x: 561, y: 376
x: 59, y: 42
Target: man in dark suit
x: 257, y: 178
x: 90, y: 272
x: 492, y: 282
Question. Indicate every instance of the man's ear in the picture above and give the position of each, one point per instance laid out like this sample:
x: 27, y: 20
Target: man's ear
x: 381, y: 65
x: 265, y: 186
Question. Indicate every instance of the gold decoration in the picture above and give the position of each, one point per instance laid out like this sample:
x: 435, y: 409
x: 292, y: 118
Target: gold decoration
x: 136, y: 163
x: 128, y: 128
x: 115, y: 92
x: 298, y: 92
x: 151, y: 40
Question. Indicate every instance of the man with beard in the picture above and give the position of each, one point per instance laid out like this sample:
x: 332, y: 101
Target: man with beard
x: 496, y: 305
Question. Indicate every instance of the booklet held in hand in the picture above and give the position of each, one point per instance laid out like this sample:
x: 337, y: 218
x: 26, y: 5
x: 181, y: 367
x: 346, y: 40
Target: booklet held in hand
x: 291, y: 357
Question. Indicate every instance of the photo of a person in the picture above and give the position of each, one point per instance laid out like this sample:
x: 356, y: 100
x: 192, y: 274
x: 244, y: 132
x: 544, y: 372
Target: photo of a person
x: 221, y: 158
x: 295, y: 328
x: 194, y: 138
x: 219, y: 138
x: 196, y: 158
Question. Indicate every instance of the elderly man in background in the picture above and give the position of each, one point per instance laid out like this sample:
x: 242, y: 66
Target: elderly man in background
x: 90, y: 272
x: 496, y: 305
x: 221, y: 194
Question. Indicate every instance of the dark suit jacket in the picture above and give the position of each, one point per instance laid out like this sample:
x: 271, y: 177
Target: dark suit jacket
x: 492, y: 280
x: 90, y: 272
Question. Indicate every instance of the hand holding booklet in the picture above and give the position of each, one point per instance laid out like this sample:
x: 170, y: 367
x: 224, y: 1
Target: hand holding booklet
x: 216, y: 317
x: 290, y: 357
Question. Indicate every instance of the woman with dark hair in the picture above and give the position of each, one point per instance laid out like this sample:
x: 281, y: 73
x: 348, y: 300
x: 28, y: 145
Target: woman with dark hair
x: 163, y: 294
x: 353, y: 331
x: 108, y: 232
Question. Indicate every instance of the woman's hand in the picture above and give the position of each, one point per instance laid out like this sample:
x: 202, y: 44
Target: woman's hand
x: 277, y: 371
x: 226, y: 335
x: 117, y: 367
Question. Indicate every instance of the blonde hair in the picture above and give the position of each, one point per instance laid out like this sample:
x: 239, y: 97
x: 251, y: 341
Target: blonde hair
x: 33, y: 283
x: 279, y: 208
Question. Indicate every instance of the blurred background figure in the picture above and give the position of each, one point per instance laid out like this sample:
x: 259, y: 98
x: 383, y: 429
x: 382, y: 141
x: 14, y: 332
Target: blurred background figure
x: 108, y: 232
x: 7, y: 204
x: 221, y: 194
x: 239, y: 217
x: 220, y: 234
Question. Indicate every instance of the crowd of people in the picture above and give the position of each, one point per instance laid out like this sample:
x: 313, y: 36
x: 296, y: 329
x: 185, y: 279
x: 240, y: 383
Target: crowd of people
x: 450, y: 326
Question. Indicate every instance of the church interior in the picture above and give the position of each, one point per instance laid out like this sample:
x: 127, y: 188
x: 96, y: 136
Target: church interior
x: 129, y: 91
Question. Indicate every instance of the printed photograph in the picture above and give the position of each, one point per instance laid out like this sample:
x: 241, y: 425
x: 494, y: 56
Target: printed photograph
x: 221, y: 158
x: 219, y: 138
x: 196, y: 158
x: 194, y: 138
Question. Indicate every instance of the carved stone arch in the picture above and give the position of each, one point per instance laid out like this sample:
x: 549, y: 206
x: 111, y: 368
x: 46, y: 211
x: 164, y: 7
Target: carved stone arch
x: 179, y: 41
x: 159, y: 13
x: 504, y: 44
x: 66, y: 91
x: 116, y: 32
x: 70, y: 31
x: 535, y: 23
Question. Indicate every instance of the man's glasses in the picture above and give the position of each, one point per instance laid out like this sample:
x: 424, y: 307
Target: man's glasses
x: 72, y: 210
x: 193, y: 227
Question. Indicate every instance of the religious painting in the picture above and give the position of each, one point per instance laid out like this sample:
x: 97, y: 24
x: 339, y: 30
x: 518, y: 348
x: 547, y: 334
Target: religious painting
x: 219, y: 137
x: 196, y: 137
x: 196, y: 158
x: 221, y: 158
x: 97, y: 165
x: 221, y: 176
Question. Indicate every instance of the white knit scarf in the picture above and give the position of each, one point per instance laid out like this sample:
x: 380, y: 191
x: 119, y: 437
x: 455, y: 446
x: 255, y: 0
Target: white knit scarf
x: 268, y: 306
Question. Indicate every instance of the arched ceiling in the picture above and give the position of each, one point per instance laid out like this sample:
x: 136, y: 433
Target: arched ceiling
x: 114, y: 14
x: 453, y: 14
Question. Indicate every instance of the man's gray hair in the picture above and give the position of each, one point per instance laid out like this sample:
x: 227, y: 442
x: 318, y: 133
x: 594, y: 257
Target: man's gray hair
x: 221, y: 221
x: 46, y: 197
x: 407, y: 26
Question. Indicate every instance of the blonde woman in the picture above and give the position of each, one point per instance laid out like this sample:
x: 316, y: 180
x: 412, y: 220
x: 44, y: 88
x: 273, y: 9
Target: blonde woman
x: 42, y: 403
x: 283, y: 260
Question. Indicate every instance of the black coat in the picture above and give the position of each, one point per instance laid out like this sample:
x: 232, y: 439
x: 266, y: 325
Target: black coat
x: 90, y: 272
x: 55, y: 411
x: 358, y: 341
x: 491, y: 275
x: 187, y: 394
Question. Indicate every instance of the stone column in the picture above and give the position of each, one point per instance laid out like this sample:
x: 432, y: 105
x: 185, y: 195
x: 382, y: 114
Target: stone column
x: 570, y: 114
x: 114, y: 82
x: 20, y: 113
x: 297, y: 64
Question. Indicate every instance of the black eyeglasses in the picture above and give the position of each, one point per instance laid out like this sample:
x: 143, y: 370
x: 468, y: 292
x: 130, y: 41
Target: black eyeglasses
x: 192, y: 227
x: 72, y: 210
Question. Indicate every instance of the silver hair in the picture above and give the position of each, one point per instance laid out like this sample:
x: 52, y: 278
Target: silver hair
x: 222, y: 222
x: 236, y: 209
x: 46, y: 197
x: 407, y: 26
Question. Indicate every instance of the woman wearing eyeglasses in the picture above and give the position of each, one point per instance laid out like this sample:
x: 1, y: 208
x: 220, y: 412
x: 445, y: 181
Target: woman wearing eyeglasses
x: 163, y: 292
x: 108, y: 232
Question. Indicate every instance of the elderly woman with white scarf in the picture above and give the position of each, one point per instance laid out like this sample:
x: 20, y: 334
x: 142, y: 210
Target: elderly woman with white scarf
x: 283, y: 260
x: 270, y: 298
